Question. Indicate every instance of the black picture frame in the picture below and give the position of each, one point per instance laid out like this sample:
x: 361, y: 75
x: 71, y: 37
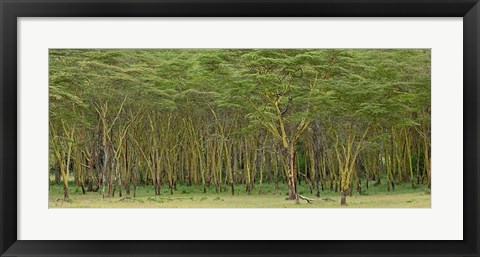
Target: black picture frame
x: 10, y: 10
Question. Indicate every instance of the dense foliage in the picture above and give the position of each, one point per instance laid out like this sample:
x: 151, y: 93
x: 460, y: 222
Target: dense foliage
x: 240, y: 117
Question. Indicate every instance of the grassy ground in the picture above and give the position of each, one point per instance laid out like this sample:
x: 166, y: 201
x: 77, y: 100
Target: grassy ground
x: 404, y: 196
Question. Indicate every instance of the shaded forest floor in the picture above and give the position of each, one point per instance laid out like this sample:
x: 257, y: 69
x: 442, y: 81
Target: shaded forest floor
x: 404, y: 196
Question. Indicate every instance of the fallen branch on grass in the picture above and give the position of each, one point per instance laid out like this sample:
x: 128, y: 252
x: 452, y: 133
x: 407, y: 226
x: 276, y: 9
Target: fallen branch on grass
x: 310, y: 200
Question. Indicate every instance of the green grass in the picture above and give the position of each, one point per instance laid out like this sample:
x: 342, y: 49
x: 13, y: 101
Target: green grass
x: 404, y: 196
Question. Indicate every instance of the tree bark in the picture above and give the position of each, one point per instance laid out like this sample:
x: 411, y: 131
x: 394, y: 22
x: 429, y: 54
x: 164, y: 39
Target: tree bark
x: 292, y: 192
x: 65, y: 189
x: 343, y: 201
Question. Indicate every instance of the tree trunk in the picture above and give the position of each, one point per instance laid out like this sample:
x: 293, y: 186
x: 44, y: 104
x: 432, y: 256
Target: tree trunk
x: 292, y: 192
x: 343, y: 201
x: 57, y: 173
x: 65, y: 189
x: 134, y: 174
x: 83, y: 187
x: 104, y: 169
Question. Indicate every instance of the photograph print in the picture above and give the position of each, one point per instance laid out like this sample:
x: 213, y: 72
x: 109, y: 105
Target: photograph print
x: 239, y: 128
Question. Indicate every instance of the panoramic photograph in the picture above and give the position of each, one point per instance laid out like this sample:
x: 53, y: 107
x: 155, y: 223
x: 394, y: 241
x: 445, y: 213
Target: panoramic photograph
x: 239, y: 128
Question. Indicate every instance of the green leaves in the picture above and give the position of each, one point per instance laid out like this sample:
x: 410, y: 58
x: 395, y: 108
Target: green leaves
x: 345, y: 85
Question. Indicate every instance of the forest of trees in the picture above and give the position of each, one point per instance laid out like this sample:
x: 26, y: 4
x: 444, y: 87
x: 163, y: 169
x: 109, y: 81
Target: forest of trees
x: 239, y: 119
